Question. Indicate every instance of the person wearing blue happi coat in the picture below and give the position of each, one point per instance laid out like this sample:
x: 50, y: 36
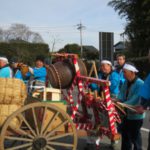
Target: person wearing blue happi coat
x: 38, y: 72
x: 145, y: 100
x: 5, y: 70
x: 129, y: 94
x: 145, y: 90
x: 108, y: 74
x: 119, y: 68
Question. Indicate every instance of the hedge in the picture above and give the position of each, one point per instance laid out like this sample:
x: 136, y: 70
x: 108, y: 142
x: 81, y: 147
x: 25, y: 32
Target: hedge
x: 25, y: 52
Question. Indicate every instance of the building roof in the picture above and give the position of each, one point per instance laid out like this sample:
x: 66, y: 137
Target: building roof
x: 119, y: 46
x: 118, y: 43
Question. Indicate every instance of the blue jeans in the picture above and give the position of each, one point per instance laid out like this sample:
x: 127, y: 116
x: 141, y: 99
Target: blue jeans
x: 131, y: 135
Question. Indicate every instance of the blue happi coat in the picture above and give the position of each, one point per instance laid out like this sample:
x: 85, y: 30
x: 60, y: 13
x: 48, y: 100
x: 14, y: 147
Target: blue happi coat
x: 18, y: 75
x: 38, y: 73
x: 145, y: 90
x: 114, y: 83
x: 121, y: 77
x: 5, y: 72
x: 132, y: 98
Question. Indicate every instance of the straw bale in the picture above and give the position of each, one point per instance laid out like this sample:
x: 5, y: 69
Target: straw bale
x: 6, y: 111
x: 13, y: 91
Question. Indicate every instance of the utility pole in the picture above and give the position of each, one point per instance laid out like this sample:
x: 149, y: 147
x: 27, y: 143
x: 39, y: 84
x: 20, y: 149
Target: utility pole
x: 80, y: 27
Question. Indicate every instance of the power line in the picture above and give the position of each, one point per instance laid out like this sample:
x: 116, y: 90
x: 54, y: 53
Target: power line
x: 60, y: 29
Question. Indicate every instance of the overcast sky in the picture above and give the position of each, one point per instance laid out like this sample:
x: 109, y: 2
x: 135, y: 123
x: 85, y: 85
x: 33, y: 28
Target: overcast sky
x: 57, y: 19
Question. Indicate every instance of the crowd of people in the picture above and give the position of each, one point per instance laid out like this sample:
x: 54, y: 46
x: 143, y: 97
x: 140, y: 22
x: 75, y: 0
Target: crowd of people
x: 16, y: 69
x: 126, y: 87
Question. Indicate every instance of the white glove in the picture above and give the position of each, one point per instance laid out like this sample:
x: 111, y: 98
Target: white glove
x: 31, y: 70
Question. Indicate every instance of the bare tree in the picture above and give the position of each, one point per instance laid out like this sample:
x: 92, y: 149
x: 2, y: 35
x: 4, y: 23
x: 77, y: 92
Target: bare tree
x: 22, y: 33
x: 6, y: 35
x: 19, y: 31
x: 54, y: 40
x: 1, y: 34
x: 37, y: 38
x: 28, y: 36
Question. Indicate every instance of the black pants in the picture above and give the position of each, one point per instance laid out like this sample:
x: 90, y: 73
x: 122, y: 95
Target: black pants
x: 131, y: 135
x: 148, y: 142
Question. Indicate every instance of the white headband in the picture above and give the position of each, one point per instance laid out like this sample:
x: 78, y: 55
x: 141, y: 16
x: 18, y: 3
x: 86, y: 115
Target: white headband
x: 106, y: 62
x: 130, y: 68
x: 4, y: 59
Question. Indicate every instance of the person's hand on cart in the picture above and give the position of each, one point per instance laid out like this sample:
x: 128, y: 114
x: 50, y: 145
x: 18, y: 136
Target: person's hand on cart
x: 139, y: 109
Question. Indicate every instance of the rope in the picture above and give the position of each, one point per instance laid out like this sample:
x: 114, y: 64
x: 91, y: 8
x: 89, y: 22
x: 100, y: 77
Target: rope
x: 57, y: 74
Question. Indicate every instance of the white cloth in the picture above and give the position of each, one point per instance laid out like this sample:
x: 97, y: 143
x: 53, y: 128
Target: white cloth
x: 4, y: 59
x: 31, y: 70
x: 106, y: 62
x: 130, y: 68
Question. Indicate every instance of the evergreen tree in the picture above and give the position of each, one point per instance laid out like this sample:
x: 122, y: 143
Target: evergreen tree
x: 137, y: 29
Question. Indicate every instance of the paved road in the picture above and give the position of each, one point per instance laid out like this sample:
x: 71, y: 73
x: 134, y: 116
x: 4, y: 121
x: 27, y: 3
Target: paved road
x: 145, y: 128
x: 105, y: 143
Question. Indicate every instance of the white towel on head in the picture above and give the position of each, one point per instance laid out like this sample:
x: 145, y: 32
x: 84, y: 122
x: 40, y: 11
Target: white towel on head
x: 4, y: 59
x: 130, y: 68
x: 106, y: 62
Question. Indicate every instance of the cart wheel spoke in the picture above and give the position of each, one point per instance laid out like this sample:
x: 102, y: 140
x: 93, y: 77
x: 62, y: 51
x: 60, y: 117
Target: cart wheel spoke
x: 60, y: 125
x: 18, y: 139
x: 60, y: 136
x: 28, y: 125
x: 19, y: 147
x: 35, y: 121
x: 60, y: 144
x: 50, y: 129
x: 50, y: 122
x: 42, y: 124
x: 22, y: 132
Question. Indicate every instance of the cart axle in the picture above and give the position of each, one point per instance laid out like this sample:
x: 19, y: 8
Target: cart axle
x: 39, y: 143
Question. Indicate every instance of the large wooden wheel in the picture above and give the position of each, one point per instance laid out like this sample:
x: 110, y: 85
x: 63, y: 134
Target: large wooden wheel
x: 44, y: 127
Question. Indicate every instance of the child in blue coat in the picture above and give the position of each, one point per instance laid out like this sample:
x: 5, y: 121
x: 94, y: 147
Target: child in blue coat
x: 38, y: 72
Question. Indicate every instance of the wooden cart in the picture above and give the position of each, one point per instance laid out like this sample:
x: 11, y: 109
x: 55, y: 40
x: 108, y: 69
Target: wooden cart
x: 47, y: 125
x: 41, y: 126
